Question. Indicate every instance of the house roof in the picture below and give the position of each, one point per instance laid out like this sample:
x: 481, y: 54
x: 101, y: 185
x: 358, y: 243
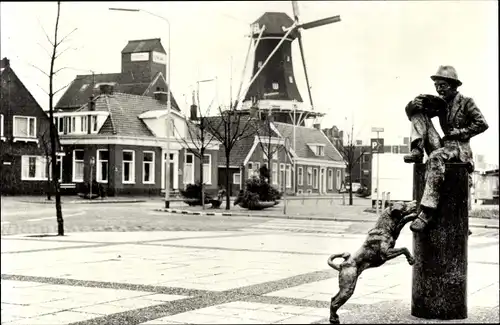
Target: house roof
x: 274, y: 21
x: 241, y: 147
x: 124, y: 111
x: 305, y: 136
x: 84, y: 86
x: 144, y: 45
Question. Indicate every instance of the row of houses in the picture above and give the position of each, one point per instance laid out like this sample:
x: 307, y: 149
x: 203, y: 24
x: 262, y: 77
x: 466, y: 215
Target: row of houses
x: 112, y: 129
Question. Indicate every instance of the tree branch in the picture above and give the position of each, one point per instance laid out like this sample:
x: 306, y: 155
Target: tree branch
x: 34, y: 66
x: 43, y: 29
x: 62, y: 40
x: 58, y: 90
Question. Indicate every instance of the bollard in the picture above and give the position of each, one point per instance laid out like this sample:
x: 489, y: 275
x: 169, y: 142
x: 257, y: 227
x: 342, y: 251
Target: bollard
x: 439, y: 280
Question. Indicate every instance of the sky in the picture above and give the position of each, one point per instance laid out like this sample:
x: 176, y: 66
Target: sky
x: 362, y: 70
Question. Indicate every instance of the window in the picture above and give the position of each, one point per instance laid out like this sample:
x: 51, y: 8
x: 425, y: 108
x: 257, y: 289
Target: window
x: 282, y: 175
x: 309, y: 176
x: 102, y: 166
x: 84, y: 124
x: 73, y: 124
x: 236, y: 178
x: 365, y: 158
x: 68, y: 124
x: 189, y: 169
x: 275, y: 173
x: 273, y: 154
x: 338, y: 180
x: 253, y: 169
x: 289, y: 176
x: 25, y: 126
x: 330, y: 179
x: 207, y: 169
x: 148, y: 167
x: 59, y: 164
x: 320, y: 150
x: 290, y: 78
x: 366, y: 172
x: 287, y: 58
x: 300, y: 176
x: 128, y: 170
x: 250, y: 169
x: 276, y: 86
x: 78, y: 164
x: 395, y: 149
x: 84, y: 86
x: 1, y: 125
x: 93, y: 122
x: 315, y: 178
x: 33, y: 168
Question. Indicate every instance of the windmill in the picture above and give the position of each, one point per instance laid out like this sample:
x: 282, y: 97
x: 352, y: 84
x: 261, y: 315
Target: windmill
x: 272, y: 86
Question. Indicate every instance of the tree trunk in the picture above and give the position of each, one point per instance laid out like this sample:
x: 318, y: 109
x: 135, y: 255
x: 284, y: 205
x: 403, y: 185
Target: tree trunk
x: 47, y: 170
x: 228, y: 197
x: 53, y: 132
x: 350, y: 185
x: 202, y: 182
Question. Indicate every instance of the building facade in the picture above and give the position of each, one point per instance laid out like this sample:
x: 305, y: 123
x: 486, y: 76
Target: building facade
x: 24, y: 138
x: 120, y: 141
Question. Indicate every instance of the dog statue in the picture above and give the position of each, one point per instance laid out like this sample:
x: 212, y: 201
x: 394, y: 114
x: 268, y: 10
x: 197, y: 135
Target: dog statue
x: 377, y: 249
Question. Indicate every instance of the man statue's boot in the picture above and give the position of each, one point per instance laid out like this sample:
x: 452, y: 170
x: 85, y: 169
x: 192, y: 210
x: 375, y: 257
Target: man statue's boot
x: 422, y: 220
x: 416, y: 154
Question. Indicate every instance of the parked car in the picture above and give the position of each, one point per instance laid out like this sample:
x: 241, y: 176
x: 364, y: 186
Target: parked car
x: 355, y: 188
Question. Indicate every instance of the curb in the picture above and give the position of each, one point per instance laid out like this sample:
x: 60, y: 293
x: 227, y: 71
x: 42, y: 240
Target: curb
x: 231, y: 214
x: 85, y: 202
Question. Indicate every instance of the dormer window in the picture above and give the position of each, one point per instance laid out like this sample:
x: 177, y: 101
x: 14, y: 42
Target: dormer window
x: 84, y: 86
x: 320, y: 150
x: 317, y: 148
x: 99, y: 84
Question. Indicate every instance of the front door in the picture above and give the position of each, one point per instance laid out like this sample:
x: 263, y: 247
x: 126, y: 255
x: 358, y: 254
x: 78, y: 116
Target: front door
x: 322, y: 181
x: 172, y: 172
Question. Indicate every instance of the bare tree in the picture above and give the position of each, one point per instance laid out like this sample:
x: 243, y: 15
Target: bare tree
x: 199, y: 138
x: 351, y: 157
x: 228, y: 128
x: 264, y: 133
x: 54, y: 138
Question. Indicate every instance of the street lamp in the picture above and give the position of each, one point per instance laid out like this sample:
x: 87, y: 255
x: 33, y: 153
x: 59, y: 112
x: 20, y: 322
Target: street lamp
x: 378, y: 130
x: 169, y: 102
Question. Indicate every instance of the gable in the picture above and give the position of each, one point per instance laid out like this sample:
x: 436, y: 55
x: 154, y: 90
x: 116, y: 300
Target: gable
x: 145, y: 45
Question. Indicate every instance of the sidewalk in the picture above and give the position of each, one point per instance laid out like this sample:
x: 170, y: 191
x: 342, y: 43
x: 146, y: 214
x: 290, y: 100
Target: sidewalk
x: 227, y: 277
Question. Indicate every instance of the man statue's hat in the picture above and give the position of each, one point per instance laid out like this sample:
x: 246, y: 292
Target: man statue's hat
x: 448, y: 73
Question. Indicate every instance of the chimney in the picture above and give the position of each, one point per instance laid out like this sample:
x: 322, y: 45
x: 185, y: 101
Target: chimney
x: 194, y: 110
x: 317, y: 126
x: 4, y: 63
x: 106, y: 89
x: 91, y: 103
x: 161, y: 96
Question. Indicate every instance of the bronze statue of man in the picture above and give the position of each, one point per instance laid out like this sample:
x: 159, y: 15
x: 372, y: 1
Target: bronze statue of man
x: 460, y: 120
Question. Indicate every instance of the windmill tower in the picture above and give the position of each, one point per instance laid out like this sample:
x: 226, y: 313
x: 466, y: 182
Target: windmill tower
x: 272, y: 88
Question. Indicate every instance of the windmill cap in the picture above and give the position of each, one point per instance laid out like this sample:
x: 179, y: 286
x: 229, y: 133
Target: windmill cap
x: 448, y: 73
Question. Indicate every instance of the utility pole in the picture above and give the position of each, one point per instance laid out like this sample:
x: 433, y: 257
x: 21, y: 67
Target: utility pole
x: 378, y: 130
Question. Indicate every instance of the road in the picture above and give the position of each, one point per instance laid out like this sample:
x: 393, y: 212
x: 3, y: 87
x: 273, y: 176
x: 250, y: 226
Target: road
x: 32, y: 218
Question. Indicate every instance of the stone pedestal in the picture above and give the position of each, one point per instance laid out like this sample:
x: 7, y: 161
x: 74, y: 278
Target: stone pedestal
x: 439, y: 285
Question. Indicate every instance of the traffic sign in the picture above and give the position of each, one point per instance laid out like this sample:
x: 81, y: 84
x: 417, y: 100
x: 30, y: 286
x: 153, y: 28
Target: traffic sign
x: 377, y: 145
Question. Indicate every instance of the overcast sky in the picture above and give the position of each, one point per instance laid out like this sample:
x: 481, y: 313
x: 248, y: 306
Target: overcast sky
x: 364, y: 68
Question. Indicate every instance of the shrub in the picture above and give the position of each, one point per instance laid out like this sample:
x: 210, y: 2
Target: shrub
x: 257, y: 190
x: 193, y: 194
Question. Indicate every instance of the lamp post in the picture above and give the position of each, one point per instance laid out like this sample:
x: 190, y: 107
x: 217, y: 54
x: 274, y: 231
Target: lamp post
x: 378, y: 130
x: 169, y: 103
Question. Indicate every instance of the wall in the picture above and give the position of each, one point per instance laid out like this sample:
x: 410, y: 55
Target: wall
x: 15, y: 99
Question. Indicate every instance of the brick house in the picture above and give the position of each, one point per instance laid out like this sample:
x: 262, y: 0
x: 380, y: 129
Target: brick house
x: 143, y: 71
x: 126, y: 136
x: 313, y: 167
x: 24, y: 138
